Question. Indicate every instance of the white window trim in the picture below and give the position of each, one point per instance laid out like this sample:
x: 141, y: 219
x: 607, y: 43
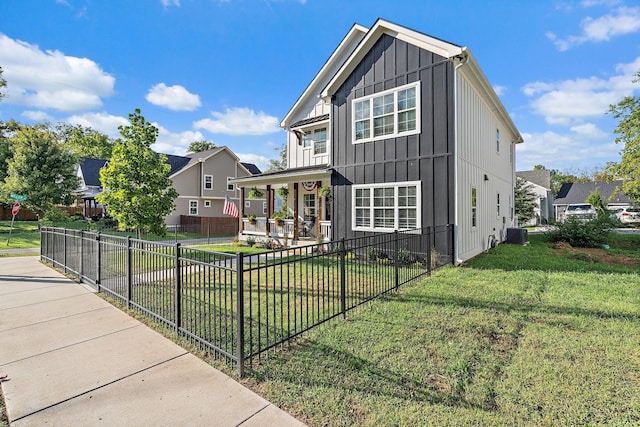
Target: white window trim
x: 312, y: 147
x: 207, y: 203
x: 396, y: 134
x: 204, y: 182
x: 264, y: 207
x: 196, y: 206
x: 247, y: 203
x: 417, y: 184
x: 230, y: 186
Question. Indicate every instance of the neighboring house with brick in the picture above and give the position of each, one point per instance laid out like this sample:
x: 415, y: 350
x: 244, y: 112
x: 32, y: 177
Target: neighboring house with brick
x: 401, y: 130
x: 202, y: 181
x: 539, y: 183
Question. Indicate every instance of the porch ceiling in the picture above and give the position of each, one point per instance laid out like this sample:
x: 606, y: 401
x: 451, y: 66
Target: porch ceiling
x: 284, y: 177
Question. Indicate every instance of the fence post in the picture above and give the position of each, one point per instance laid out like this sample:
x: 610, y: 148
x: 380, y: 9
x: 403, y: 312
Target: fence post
x: 81, y: 253
x: 129, y: 272
x: 64, y: 249
x: 396, y: 272
x: 240, y: 312
x: 178, y: 290
x: 429, y: 253
x: 99, y: 259
x: 343, y: 280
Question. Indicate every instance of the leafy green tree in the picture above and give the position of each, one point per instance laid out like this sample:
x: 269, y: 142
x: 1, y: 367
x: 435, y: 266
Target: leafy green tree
x: 524, y: 201
x: 627, y: 111
x: 138, y: 192
x: 280, y: 164
x: 85, y: 142
x: 198, y: 146
x: 40, y: 168
x: 3, y: 83
x: 598, y: 204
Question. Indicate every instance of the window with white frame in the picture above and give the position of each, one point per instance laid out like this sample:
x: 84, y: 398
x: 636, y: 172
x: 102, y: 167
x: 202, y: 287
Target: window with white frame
x: 247, y: 203
x: 497, y: 140
x: 386, y: 207
x: 193, y: 207
x: 474, y: 207
x: 264, y: 207
x: 316, y: 139
x: 387, y: 114
x: 309, y: 207
x: 207, y: 203
x: 230, y: 185
x: 208, y: 182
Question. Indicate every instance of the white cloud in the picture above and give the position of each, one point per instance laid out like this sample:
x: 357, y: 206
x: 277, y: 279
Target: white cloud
x: 500, y: 90
x: 623, y: 20
x: 175, y: 98
x: 38, y: 116
x: 582, y: 147
x: 102, y: 122
x: 239, y: 121
x: 69, y: 83
x: 569, y: 101
x: 261, y: 162
x: 175, y: 143
x: 168, y: 3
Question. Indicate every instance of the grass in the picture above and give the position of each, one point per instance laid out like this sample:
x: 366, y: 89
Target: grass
x: 25, y: 234
x: 523, y: 336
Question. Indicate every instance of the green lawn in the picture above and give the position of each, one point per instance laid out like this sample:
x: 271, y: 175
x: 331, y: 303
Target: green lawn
x: 25, y: 234
x: 528, y: 335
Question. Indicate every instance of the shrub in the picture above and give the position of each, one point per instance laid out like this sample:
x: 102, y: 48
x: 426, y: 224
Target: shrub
x: 581, y: 234
x: 54, y: 216
x: 372, y: 253
x: 251, y: 241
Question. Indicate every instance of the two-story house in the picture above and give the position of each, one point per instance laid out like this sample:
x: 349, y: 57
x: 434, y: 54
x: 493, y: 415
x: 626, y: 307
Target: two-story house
x: 398, y: 131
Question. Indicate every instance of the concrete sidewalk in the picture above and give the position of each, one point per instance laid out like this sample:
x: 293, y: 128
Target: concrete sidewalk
x: 73, y: 359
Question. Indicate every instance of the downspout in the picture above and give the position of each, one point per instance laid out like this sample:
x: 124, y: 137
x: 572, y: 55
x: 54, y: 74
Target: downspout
x: 463, y: 60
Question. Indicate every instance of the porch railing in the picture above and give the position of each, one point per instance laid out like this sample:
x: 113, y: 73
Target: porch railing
x: 239, y: 306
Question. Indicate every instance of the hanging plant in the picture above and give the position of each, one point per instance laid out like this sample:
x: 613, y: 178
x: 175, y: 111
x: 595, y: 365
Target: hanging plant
x: 253, y: 219
x: 325, y: 192
x: 283, y: 192
x: 254, y: 193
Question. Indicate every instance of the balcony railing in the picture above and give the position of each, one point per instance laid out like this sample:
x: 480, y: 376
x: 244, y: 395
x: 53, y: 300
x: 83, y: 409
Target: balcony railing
x: 280, y: 229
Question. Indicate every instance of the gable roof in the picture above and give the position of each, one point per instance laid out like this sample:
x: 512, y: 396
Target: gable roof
x: 538, y: 177
x: 578, y: 192
x: 195, y: 158
x: 460, y: 55
x: 90, y: 170
x: 355, y: 34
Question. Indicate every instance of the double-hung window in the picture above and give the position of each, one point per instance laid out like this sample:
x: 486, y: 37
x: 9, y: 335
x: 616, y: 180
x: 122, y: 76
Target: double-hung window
x: 317, y: 140
x: 386, y: 207
x: 387, y: 114
x: 193, y: 207
x: 208, y: 182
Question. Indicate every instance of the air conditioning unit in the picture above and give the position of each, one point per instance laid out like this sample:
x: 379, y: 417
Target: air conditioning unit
x: 517, y: 236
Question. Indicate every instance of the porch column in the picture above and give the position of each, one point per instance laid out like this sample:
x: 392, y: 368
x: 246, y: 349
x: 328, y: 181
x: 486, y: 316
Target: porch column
x: 241, y: 226
x: 269, y: 198
x: 318, y: 208
x: 296, y: 232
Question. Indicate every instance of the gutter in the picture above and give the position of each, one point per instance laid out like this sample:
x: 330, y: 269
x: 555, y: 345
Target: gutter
x: 463, y: 58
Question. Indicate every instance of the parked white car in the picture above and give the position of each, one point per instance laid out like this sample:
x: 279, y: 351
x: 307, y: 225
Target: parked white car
x: 629, y: 215
x: 580, y: 211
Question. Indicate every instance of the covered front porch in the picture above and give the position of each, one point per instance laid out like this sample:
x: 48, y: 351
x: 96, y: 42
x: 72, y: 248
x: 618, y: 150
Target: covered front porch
x: 297, y: 205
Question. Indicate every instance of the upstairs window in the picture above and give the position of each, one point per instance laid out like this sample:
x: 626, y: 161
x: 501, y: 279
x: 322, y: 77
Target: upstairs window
x: 208, y: 182
x: 387, y: 114
x: 230, y: 185
x: 317, y: 140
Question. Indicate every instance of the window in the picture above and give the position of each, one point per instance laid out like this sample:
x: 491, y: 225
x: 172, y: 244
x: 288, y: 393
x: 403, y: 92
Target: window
x: 497, y: 140
x: 309, y: 207
x: 316, y: 139
x: 207, y: 203
x: 498, y: 204
x: 208, y: 182
x: 474, y: 212
x: 387, y: 114
x: 264, y: 207
x: 193, y: 207
x: 230, y: 186
x: 386, y: 206
x: 247, y: 204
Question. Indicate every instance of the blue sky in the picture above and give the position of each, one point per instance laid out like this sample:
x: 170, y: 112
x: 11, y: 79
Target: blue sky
x: 228, y: 71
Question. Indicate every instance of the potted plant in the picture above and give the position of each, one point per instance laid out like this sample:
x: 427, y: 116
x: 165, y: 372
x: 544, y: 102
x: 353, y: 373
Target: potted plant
x: 278, y: 217
x: 252, y: 219
x: 325, y: 192
x: 283, y: 192
x: 254, y: 193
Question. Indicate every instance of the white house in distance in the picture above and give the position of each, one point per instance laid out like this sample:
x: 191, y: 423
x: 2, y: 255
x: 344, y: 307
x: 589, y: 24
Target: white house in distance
x: 539, y: 183
x: 398, y: 130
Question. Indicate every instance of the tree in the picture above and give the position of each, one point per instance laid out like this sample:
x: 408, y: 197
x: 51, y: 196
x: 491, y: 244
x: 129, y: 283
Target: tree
x: 3, y: 83
x: 524, y: 201
x: 598, y: 204
x: 280, y: 164
x: 627, y: 111
x: 40, y: 168
x: 85, y: 142
x: 198, y: 146
x: 138, y: 192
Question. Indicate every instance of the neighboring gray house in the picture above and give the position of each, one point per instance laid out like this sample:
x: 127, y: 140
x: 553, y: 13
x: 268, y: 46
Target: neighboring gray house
x: 578, y: 192
x: 202, y: 181
x: 539, y: 182
x: 403, y: 131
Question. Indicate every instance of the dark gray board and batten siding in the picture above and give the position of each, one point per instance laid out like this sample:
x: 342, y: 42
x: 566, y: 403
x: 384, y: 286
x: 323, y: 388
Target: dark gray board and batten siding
x: 427, y: 157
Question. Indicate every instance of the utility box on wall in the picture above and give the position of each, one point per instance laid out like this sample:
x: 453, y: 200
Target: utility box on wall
x: 517, y: 236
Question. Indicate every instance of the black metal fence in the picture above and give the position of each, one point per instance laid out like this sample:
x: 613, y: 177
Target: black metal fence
x: 239, y: 306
